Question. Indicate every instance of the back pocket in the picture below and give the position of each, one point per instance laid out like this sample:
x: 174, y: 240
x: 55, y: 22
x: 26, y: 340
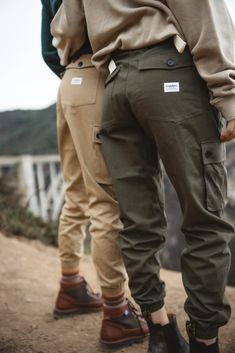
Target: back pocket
x: 170, y: 84
x: 79, y: 86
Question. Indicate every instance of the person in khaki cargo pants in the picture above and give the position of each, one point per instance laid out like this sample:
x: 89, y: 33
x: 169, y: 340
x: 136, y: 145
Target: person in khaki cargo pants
x: 88, y: 197
x: 171, y: 83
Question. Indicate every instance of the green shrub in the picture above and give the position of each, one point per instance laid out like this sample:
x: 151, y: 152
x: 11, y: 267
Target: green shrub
x: 16, y: 220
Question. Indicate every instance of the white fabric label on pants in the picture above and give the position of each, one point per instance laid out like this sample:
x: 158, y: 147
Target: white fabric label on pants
x: 112, y: 66
x: 76, y: 81
x: 171, y: 86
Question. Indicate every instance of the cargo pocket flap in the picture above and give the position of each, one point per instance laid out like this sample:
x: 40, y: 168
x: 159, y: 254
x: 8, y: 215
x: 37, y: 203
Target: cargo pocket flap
x: 213, y: 152
x: 100, y: 171
x: 170, y: 62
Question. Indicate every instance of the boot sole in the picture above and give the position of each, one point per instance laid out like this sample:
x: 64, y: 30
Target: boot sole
x: 59, y: 314
x: 122, y: 343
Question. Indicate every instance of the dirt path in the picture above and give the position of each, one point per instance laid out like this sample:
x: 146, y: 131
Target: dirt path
x: 29, y: 274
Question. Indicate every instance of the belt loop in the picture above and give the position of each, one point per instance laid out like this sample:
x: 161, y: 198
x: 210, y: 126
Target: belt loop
x: 112, y: 66
x: 179, y: 43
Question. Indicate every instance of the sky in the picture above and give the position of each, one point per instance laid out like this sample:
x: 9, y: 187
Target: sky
x: 25, y: 80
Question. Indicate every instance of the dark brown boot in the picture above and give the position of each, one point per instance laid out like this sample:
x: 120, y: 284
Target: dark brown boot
x: 76, y: 298
x: 167, y: 338
x: 200, y: 347
x: 123, y: 326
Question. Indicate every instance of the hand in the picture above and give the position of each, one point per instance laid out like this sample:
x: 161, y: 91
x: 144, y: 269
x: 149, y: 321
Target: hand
x: 229, y: 133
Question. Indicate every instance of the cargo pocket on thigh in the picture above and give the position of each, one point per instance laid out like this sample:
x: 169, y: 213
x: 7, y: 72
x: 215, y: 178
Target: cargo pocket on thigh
x: 101, y: 172
x: 215, y: 174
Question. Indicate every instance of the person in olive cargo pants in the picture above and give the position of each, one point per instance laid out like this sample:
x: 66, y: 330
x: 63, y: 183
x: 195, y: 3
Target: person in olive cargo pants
x: 186, y: 130
x: 172, y: 75
x: 88, y: 196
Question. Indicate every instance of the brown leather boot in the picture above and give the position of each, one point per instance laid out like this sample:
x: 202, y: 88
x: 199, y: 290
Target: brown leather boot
x: 122, y: 327
x: 76, y: 298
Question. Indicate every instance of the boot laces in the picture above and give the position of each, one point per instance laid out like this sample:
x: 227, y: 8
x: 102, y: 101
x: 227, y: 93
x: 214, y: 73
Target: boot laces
x: 88, y: 287
x: 132, y: 309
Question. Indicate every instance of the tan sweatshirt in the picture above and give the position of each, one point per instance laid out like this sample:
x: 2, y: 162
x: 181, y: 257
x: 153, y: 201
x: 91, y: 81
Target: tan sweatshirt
x: 205, y: 25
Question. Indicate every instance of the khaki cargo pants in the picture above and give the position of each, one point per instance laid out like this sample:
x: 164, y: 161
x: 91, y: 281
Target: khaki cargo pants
x: 88, y: 195
x: 157, y: 106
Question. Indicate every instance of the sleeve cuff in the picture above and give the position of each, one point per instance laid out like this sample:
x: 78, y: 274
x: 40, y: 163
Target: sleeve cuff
x: 226, y: 106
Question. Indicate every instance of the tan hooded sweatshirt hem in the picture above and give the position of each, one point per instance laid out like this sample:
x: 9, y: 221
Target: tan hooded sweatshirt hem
x: 205, y: 25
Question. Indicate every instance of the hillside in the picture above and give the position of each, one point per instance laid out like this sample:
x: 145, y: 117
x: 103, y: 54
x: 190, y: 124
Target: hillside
x: 28, y: 132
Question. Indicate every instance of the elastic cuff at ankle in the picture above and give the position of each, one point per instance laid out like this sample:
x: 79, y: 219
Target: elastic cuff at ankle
x: 67, y: 266
x: 148, y: 309
x: 194, y: 330
x: 116, y: 291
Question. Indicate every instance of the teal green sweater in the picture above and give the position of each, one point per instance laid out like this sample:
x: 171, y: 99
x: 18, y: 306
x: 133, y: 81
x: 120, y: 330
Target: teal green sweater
x: 49, y: 53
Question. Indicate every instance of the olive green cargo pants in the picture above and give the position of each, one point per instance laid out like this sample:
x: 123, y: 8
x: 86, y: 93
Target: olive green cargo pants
x: 157, y: 106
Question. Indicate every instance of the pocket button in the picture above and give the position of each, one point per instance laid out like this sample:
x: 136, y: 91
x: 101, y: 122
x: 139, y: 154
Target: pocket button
x: 170, y: 62
x: 80, y: 63
x: 208, y: 154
